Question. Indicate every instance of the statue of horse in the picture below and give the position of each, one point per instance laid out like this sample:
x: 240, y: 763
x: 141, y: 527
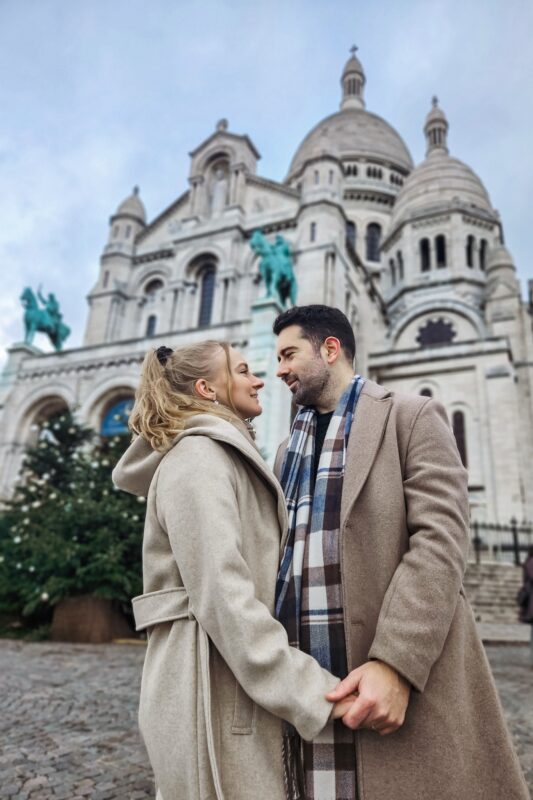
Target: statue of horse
x: 275, y: 267
x: 43, y: 320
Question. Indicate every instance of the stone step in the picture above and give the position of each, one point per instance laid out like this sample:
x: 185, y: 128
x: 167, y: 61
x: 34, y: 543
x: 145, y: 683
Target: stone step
x: 491, y: 590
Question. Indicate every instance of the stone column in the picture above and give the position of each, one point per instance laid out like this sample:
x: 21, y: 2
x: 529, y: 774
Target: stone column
x: 273, y: 424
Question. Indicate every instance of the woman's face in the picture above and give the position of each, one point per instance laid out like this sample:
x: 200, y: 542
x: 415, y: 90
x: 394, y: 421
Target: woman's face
x: 245, y: 386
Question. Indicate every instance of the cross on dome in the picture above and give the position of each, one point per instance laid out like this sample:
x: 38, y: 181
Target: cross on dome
x: 353, y: 50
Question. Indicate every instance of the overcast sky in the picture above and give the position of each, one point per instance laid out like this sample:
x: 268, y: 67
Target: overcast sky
x: 99, y: 95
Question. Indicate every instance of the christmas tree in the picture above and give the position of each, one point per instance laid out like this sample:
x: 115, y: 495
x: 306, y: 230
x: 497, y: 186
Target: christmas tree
x: 67, y: 531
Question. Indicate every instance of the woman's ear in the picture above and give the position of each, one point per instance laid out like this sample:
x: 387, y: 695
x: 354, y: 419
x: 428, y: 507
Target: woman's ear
x: 202, y: 389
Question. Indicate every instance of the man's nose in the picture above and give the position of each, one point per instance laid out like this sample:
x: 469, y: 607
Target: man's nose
x: 282, y: 371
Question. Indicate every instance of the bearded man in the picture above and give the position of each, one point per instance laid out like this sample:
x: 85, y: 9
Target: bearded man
x: 370, y: 584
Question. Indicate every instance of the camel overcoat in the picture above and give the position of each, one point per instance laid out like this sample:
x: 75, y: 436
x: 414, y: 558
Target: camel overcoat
x: 219, y: 674
x: 404, y: 545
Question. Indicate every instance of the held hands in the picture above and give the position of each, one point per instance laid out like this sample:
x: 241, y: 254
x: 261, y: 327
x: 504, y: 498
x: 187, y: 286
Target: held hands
x: 342, y: 706
x: 372, y: 696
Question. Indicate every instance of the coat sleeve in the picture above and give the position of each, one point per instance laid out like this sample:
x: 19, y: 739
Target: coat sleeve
x: 420, y: 602
x: 199, y: 510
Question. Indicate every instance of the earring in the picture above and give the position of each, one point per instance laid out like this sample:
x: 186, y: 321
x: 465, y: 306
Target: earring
x: 215, y: 401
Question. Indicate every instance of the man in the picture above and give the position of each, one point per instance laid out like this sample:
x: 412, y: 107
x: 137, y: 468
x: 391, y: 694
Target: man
x: 371, y: 583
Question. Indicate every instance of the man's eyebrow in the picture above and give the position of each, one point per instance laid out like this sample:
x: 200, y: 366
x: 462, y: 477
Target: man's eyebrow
x: 286, y: 349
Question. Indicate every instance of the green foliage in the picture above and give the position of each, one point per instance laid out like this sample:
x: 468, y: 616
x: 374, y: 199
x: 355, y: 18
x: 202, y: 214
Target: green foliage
x: 67, y: 531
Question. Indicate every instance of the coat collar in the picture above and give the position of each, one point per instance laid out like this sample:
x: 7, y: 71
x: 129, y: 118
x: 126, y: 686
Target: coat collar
x: 368, y: 428
x: 237, y: 436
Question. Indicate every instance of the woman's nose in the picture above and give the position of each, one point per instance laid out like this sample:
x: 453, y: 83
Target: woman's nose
x: 258, y: 383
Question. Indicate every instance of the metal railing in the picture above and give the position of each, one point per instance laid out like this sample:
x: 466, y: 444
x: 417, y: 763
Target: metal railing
x: 506, y: 544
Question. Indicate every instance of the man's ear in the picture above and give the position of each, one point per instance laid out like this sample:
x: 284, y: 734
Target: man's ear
x: 333, y: 349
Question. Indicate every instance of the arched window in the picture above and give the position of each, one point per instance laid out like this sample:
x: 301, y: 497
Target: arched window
x: 425, y: 255
x: 317, y: 176
x: 207, y: 291
x: 150, y: 325
x: 459, y: 431
x: 351, y: 233
x: 152, y: 287
x: 483, y: 254
x: 312, y: 232
x: 392, y: 272
x: 115, y: 421
x: 373, y: 241
x: 440, y: 250
x: 399, y: 259
x: 470, y: 243
x: 331, y: 176
x: 426, y: 393
x: 115, y: 231
x: 128, y: 231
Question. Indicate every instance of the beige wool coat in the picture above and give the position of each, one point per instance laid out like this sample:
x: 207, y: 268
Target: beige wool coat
x: 404, y: 544
x: 219, y: 674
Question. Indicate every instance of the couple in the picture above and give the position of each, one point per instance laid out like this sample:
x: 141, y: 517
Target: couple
x: 308, y: 634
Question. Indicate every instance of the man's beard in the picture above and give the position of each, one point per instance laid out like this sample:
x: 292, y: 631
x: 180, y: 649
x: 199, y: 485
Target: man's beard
x: 312, y: 387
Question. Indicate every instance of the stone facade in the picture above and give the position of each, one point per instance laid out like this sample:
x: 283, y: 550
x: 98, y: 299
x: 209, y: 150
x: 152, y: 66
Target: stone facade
x: 413, y: 255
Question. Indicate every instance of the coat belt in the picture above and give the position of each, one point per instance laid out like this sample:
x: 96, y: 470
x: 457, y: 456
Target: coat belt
x: 169, y: 605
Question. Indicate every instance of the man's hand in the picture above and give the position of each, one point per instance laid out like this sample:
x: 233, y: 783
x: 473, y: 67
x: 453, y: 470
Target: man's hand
x: 382, y: 699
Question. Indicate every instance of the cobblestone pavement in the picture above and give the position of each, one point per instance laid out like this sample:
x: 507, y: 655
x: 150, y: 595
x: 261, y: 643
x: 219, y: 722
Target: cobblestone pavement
x: 68, y: 727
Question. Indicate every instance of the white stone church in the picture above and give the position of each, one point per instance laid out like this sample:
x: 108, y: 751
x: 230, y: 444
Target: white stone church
x: 414, y: 256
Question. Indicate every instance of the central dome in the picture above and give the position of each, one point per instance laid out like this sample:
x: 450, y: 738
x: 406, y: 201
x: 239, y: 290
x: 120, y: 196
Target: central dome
x: 349, y: 134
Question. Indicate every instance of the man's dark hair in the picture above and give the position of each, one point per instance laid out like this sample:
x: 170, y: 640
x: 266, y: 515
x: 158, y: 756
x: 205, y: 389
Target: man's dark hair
x: 317, y: 323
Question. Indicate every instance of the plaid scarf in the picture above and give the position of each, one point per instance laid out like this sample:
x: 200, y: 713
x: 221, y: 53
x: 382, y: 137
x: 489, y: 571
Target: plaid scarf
x: 309, y: 591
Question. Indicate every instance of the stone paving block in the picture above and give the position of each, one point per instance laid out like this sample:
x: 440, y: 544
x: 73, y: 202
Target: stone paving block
x: 82, y: 740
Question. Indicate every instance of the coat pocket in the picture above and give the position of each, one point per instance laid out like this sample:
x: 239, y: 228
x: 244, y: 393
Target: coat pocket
x: 243, y: 713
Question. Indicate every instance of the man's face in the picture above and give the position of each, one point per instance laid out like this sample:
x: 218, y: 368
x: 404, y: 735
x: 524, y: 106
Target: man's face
x: 303, y: 369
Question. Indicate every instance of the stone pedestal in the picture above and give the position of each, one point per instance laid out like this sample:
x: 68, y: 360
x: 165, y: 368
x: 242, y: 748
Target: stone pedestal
x: 273, y: 424
x: 15, y: 355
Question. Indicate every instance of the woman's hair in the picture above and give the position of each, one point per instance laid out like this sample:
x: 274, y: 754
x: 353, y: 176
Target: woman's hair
x: 165, y: 398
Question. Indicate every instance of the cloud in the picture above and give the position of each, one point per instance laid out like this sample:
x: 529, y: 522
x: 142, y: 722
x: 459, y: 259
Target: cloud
x: 102, y: 96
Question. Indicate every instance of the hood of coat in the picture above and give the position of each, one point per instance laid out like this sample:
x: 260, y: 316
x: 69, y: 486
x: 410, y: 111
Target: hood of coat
x: 137, y: 466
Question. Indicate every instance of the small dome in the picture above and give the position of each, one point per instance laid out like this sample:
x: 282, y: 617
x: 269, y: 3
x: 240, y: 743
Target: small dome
x: 440, y: 180
x: 350, y: 134
x: 132, y: 207
x: 499, y: 256
x: 436, y: 114
x: 353, y: 65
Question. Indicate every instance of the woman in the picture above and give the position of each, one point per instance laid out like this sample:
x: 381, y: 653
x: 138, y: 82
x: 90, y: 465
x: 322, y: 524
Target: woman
x: 219, y: 675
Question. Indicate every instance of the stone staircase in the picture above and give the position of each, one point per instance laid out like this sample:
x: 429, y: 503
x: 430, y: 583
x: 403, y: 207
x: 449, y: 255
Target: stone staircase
x: 491, y: 590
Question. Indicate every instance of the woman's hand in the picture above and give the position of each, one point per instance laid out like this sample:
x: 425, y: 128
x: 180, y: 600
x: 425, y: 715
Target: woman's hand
x: 342, y: 706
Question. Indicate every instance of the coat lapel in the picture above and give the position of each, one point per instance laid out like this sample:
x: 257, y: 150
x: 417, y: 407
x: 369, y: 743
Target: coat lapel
x: 368, y: 428
x: 226, y: 432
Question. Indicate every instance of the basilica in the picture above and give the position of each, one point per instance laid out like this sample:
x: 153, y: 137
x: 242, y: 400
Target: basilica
x: 413, y: 254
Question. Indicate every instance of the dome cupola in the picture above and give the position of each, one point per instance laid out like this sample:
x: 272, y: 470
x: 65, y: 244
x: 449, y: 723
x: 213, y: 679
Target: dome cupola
x: 440, y: 181
x: 436, y: 129
x: 353, y: 134
x: 353, y: 83
x: 132, y: 207
x: 126, y: 223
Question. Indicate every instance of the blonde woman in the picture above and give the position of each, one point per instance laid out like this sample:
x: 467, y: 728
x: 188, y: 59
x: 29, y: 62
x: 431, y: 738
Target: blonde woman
x: 219, y: 676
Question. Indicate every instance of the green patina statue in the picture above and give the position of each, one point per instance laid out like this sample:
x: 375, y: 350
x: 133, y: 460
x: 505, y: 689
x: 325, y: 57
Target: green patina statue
x: 47, y: 320
x: 276, y: 267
